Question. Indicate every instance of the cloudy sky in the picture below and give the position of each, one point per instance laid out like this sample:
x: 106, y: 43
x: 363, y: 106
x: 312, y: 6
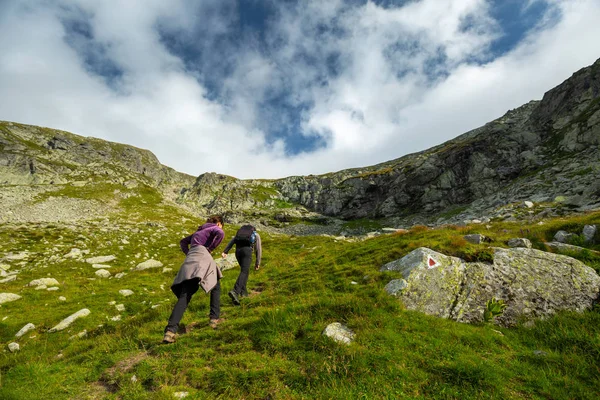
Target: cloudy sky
x: 273, y: 88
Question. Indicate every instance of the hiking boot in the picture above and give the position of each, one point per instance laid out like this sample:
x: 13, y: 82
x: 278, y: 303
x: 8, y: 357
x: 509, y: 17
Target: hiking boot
x: 234, y: 298
x: 169, y: 337
x: 213, y: 323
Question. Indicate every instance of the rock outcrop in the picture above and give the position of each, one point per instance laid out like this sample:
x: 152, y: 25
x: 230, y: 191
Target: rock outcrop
x: 541, y: 155
x: 532, y: 283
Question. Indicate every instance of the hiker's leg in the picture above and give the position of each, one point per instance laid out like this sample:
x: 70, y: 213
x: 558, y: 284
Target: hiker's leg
x: 244, y: 257
x: 215, y: 301
x: 188, y: 288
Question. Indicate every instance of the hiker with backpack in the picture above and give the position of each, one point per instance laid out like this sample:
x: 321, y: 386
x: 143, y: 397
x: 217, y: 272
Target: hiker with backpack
x: 198, y: 270
x: 245, y: 240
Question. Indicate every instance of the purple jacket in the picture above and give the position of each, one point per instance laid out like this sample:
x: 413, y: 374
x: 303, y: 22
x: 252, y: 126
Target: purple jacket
x: 208, y: 235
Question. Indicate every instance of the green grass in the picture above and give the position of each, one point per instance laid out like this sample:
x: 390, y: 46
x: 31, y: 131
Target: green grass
x: 272, y: 346
x: 363, y: 224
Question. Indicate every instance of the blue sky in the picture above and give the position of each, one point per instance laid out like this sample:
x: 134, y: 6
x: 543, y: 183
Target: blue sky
x: 272, y: 88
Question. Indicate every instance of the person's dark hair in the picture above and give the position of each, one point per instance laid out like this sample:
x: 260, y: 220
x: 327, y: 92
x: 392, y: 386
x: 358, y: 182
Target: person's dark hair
x: 215, y: 219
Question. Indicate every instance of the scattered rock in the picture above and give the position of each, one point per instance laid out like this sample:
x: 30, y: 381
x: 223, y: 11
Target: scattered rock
x: 8, y: 279
x: 81, y: 334
x: 7, y: 297
x: 165, y: 270
x: 120, y: 307
x: 43, y: 281
x: 120, y: 275
x: 589, y: 231
x: 74, y: 253
x: 180, y: 395
x: 17, y: 257
x: 65, y: 323
x: 25, y: 329
x: 102, y: 273
x: 148, y: 264
x: 116, y: 318
x: 62, y: 298
x: 528, y: 204
x: 41, y: 287
x: 392, y: 230
x: 14, y: 347
x: 519, y: 242
x: 126, y: 292
x: 100, y: 259
x: 52, y: 289
x: 563, y: 247
x: 477, y: 238
x: 540, y: 353
x: 100, y: 266
x: 338, y: 332
x: 563, y: 236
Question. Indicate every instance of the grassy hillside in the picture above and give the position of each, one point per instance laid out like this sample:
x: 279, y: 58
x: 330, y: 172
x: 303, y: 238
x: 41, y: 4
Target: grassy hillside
x: 272, y: 346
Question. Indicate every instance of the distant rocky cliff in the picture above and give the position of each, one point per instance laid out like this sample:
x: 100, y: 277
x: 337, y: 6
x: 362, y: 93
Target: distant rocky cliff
x: 546, y: 152
x: 540, y: 151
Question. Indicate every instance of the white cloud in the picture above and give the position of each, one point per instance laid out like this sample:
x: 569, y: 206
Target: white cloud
x: 368, y: 113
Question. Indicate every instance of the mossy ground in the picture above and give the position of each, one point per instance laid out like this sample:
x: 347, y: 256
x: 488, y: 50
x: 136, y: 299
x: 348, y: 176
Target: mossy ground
x: 271, y: 346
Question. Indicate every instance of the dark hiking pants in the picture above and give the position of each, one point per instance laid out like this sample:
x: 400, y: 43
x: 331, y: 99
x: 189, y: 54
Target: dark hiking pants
x: 243, y: 256
x: 187, y: 290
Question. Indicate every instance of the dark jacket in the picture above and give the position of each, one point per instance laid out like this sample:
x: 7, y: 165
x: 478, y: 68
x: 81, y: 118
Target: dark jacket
x: 257, y: 247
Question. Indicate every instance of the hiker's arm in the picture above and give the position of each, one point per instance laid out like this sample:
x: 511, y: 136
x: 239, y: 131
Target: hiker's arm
x: 258, y: 249
x: 184, y: 244
x: 228, y: 247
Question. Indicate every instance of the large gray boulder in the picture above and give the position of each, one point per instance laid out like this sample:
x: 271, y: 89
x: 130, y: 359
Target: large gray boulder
x: 564, y: 236
x: 421, y: 258
x: 433, y: 281
x: 477, y: 238
x: 519, y: 242
x: 225, y: 264
x: 589, y: 231
x: 532, y: 283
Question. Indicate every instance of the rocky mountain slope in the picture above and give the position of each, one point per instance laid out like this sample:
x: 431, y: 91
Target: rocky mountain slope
x: 544, y: 152
x: 540, y: 151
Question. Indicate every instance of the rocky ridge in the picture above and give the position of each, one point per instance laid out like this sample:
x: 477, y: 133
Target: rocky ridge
x: 538, y: 160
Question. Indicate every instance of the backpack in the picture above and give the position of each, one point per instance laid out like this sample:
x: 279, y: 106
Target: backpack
x: 245, y: 236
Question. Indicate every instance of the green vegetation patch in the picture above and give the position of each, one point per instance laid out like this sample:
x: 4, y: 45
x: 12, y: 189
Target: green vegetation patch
x: 272, y: 345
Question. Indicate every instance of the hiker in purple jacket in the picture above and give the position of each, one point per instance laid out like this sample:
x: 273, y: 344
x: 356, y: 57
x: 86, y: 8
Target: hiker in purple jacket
x: 198, y: 270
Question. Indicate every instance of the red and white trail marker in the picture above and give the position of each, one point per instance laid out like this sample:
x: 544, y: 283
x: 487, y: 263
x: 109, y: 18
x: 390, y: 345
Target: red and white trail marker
x: 431, y: 263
